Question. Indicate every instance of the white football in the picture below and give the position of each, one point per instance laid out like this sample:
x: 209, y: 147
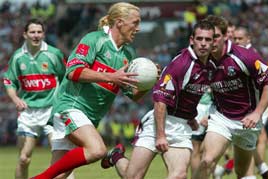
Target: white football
x: 146, y: 70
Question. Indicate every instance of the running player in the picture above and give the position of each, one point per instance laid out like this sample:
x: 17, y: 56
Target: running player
x: 242, y: 37
x: 238, y: 73
x: 33, y: 76
x: 167, y: 129
x: 95, y: 74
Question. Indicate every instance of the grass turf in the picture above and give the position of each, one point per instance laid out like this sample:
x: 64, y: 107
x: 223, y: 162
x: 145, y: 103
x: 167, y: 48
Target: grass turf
x: 41, y: 158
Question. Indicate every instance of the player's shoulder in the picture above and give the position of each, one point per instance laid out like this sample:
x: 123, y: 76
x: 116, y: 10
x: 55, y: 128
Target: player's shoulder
x: 244, y: 53
x: 17, y: 53
x: 95, y: 39
x: 180, y: 63
x: 182, y: 58
x: 238, y: 49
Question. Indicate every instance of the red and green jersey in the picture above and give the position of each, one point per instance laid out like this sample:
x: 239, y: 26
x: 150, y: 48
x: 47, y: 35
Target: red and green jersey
x: 36, y: 78
x: 97, y: 51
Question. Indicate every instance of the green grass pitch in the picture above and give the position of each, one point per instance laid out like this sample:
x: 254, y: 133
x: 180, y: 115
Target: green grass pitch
x: 41, y: 158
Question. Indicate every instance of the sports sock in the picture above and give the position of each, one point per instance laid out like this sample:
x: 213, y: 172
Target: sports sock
x: 262, y: 168
x: 116, y: 156
x: 72, y: 159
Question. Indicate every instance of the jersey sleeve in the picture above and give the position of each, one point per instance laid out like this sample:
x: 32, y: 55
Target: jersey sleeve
x: 83, y: 54
x: 10, y: 77
x: 257, y: 67
x: 170, y: 83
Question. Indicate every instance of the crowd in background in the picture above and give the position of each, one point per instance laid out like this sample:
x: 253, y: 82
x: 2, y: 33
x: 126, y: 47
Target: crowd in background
x: 67, y: 23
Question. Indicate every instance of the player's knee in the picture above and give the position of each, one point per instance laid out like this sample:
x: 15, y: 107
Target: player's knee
x: 207, y: 162
x: 98, y: 152
x: 134, y: 174
x: 24, y: 160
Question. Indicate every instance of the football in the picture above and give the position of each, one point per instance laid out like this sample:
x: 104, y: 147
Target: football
x: 146, y: 70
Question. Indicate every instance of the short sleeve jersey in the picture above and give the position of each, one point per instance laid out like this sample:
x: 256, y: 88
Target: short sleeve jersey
x: 36, y: 78
x: 97, y: 51
x: 237, y: 79
x: 182, y: 84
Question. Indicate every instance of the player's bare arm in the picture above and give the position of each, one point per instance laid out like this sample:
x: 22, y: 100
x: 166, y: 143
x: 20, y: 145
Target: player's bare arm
x: 20, y: 104
x: 120, y: 77
x: 160, y: 115
x: 252, y: 119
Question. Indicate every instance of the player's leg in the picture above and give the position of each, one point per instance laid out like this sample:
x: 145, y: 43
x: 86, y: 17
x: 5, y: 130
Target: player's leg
x: 242, y: 160
x: 56, y: 155
x: 259, y: 154
x: 244, y: 143
x: 115, y: 157
x: 91, y: 148
x: 26, y: 145
x: 197, y: 141
x: 48, y: 131
x: 251, y: 169
x: 226, y: 167
x: 211, y: 155
x: 27, y: 135
x: 177, y: 161
x: 144, y: 143
x: 121, y: 167
x: 139, y: 163
x: 88, y: 146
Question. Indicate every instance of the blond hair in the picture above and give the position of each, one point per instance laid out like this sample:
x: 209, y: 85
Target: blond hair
x: 118, y: 10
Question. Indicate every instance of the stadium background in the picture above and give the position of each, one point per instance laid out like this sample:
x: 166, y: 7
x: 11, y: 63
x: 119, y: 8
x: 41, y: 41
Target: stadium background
x: 164, y: 31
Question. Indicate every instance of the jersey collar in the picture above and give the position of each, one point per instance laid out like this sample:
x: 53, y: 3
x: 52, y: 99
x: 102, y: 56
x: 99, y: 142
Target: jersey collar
x: 248, y: 45
x: 229, y: 46
x: 108, y: 31
x: 192, y: 53
x: 44, y: 47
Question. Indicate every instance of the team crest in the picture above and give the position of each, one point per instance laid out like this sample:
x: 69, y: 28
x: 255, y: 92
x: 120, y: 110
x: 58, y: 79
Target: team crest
x: 125, y: 61
x: 82, y: 50
x: 196, y: 76
x: 45, y: 66
x: 231, y: 71
x: 22, y: 66
x: 167, y: 83
x: 260, y: 67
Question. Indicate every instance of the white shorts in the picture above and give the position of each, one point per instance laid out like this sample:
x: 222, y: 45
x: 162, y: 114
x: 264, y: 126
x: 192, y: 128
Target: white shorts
x: 65, y: 123
x: 202, y: 111
x: 265, y: 116
x: 178, y: 132
x: 33, y: 121
x: 233, y: 130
